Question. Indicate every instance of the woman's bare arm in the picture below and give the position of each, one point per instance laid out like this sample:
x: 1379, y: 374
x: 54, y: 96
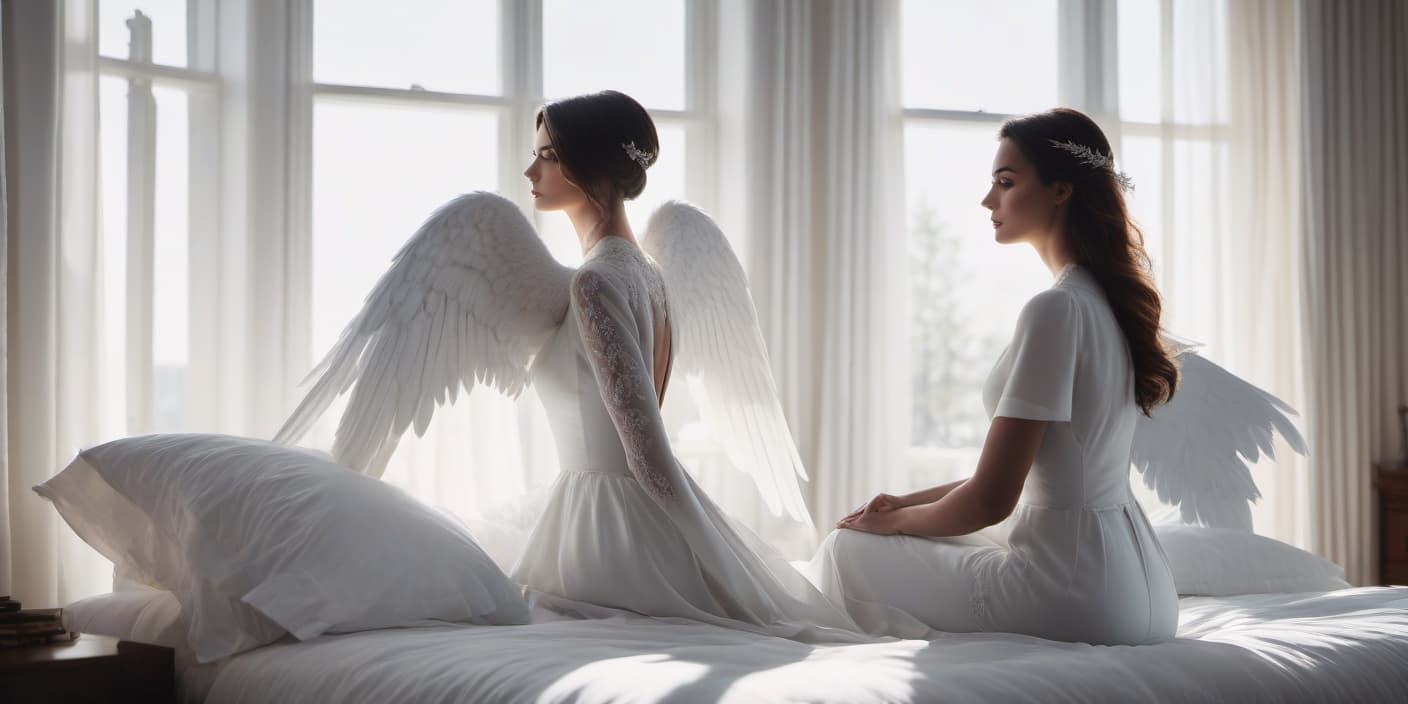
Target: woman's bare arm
x: 930, y: 495
x: 986, y: 498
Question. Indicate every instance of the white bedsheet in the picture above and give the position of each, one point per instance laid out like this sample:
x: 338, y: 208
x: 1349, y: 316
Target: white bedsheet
x: 1348, y: 645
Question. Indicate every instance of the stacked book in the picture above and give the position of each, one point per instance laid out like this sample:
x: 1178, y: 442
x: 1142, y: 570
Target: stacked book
x: 33, y: 627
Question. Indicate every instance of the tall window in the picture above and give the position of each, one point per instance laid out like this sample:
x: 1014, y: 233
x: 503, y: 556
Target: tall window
x: 367, y: 116
x: 1174, y: 114
x: 967, y: 67
x: 416, y: 102
x: 156, y: 91
x: 396, y: 133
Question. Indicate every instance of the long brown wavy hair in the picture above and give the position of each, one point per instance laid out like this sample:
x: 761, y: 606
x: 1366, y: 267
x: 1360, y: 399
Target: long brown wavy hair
x: 1102, y: 239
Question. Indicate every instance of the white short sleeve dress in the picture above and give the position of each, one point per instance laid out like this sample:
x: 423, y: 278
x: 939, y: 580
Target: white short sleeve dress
x: 1077, y: 560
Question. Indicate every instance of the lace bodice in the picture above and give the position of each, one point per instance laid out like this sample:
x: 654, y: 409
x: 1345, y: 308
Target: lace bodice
x: 596, y: 376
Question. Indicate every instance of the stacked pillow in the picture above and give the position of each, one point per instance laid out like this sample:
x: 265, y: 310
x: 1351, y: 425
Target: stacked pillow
x: 257, y: 540
x: 1223, y: 562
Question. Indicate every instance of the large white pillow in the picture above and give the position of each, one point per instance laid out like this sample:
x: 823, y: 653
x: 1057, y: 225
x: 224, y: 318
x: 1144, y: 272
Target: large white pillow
x: 257, y: 539
x: 1223, y: 562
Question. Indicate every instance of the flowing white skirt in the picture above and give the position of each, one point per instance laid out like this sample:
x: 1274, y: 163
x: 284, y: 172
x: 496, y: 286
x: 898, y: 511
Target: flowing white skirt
x: 602, y: 541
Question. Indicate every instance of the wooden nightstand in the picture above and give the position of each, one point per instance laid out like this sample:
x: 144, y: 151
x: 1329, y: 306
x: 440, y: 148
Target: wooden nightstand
x: 90, y: 669
x: 1391, y: 482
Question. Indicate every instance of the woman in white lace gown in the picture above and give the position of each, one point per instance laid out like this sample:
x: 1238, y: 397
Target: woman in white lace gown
x: 625, y: 526
x: 475, y: 300
x: 1045, y: 538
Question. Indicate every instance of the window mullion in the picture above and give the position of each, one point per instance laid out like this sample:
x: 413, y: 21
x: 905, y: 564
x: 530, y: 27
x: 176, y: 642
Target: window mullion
x: 1071, y: 52
x: 257, y: 373
x: 401, y: 96
x: 184, y: 79
x: 957, y: 116
x: 298, y: 320
x: 205, y: 358
x: 1103, y: 18
x: 522, y: 83
x: 1088, y: 51
x: 141, y: 230
x: 1167, y: 244
x: 701, y: 100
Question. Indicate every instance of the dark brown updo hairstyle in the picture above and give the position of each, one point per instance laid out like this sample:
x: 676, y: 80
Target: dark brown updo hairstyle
x: 595, y: 136
x: 1102, y: 238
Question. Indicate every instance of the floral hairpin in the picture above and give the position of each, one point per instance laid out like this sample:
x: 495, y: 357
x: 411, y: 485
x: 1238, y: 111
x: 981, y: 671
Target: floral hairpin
x: 636, y: 155
x: 1096, y: 160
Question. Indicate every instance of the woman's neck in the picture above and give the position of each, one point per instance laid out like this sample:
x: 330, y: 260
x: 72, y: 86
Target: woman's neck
x: 1053, y: 251
x: 592, y: 228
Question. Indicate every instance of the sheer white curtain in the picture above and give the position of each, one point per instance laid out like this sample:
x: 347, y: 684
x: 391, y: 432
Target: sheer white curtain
x: 83, y: 250
x: 863, y: 426
x: 1355, y: 270
x: 53, y: 248
x: 811, y: 153
x: 1261, y: 325
x: 6, y: 562
x: 1207, y: 105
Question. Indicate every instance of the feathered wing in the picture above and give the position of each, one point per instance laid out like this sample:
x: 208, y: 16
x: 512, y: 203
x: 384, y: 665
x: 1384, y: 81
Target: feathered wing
x: 1195, y: 450
x: 719, y: 348
x: 469, y: 299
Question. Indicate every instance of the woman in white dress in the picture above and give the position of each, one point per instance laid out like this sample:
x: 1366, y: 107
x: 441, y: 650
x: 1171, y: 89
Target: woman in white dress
x: 1045, y: 538
x: 474, y: 299
x: 625, y: 526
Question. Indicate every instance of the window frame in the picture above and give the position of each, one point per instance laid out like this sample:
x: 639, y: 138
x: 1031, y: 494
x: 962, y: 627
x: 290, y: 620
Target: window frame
x: 1088, y: 52
x: 200, y: 81
x: 521, y: 93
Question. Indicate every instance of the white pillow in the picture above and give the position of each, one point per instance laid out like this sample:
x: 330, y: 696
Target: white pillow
x: 1222, y: 562
x: 143, y: 615
x: 256, y: 539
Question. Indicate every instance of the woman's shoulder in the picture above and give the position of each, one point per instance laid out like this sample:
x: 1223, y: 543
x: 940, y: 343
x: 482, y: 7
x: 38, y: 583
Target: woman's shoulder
x: 1056, y: 303
x: 1053, y: 316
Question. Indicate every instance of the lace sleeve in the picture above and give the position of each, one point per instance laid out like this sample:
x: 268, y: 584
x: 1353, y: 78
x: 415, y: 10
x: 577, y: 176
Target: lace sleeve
x: 612, y: 341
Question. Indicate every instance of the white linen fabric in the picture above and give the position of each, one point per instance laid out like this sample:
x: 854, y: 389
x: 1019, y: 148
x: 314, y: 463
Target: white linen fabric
x: 820, y: 230
x: 58, y: 365
x: 1224, y: 562
x: 624, y: 525
x: 256, y: 540
x: 145, y: 615
x: 1077, y: 560
x: 1343, y: 646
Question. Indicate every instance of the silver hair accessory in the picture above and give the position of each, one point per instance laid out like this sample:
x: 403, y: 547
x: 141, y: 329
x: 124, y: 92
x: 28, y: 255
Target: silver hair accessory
x: 636, y: 155
x: 1095, y: 159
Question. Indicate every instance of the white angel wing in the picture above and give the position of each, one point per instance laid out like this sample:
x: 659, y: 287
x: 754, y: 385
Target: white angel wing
x: 1191, y: 450
x: 469, y: 299
x: 720, y: 350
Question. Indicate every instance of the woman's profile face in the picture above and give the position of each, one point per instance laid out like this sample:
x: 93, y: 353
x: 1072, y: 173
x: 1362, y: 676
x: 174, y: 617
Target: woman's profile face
x: 1023, y: 209
x: 551, y: 189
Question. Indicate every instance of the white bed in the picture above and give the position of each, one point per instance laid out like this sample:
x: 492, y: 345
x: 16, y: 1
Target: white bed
x: 1349, y: 645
